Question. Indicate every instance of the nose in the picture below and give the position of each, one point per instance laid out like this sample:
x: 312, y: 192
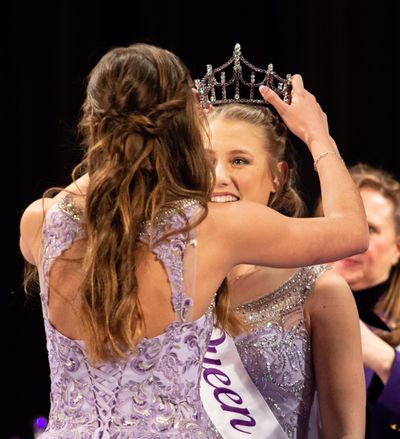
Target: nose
x: 222, y: 176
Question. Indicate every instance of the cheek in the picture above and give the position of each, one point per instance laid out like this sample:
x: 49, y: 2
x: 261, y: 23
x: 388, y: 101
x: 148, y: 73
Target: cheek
x: 265, y: 191
x: 379, y: 251
x: 350, y: 271
x: 267, y: 184
x: 252, y: 184
x: 245, y: 182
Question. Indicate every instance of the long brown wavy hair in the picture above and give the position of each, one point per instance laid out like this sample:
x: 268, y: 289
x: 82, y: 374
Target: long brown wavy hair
x: 383, y: 182
x: 143, y: 133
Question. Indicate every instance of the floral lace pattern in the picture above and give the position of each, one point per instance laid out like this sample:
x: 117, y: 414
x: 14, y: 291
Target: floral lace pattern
x: 276, y: 352
x: 155, y: 393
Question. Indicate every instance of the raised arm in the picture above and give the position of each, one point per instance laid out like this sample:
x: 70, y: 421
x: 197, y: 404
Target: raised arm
x: 305, y: 118
x: 293, y: 242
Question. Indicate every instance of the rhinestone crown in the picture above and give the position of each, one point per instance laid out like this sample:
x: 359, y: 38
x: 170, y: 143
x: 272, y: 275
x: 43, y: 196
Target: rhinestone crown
x: 214, y: 92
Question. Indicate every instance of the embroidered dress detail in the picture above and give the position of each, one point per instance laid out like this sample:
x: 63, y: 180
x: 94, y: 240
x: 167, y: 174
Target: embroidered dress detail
x: 70, y: 208
x: 155, y: 392
x: 276, y: 352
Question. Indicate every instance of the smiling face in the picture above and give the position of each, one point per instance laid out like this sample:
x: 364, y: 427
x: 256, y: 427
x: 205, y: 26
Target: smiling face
x: 241, y: 160
x: 373, y: 266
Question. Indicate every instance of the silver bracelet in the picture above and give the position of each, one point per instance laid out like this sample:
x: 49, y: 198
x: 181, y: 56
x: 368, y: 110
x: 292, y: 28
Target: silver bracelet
x: 324, y: 154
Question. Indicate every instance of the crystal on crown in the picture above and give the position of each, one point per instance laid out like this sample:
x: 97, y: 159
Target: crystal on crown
x: 215, y: 92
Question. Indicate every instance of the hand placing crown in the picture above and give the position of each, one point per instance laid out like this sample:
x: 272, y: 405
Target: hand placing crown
x: 236, y: 89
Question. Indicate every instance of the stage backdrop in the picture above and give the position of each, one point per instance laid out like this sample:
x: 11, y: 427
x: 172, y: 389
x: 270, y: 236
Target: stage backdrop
x: 346, y: 51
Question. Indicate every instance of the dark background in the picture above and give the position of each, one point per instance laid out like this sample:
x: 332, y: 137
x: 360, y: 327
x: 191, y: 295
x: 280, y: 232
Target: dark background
x: 347, y: 52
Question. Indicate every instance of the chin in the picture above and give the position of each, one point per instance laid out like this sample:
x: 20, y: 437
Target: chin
x: 351, y: 274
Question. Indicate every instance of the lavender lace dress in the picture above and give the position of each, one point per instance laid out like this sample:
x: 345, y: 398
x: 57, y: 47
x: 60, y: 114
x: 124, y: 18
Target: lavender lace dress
x: 155, y: 394
x: 276, y: 352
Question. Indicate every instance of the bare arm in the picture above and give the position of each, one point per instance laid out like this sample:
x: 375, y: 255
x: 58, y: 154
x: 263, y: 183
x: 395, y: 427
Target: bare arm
x: 32, y: 220
x: 290, y: 242
x: 305, y: 118
x: 246, y: 232
x: 336, y: 350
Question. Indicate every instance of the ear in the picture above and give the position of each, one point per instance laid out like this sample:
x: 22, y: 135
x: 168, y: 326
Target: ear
x: 282, y: 175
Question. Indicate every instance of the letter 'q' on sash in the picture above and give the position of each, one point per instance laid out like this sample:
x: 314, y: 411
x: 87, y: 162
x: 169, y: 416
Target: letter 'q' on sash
x: 230, y: 398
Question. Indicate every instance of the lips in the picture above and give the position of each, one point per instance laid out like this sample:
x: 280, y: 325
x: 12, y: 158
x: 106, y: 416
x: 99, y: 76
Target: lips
x: 349, y: 262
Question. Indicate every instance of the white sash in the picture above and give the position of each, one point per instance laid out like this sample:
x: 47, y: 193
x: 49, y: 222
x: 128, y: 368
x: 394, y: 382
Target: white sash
x: 229, y: 396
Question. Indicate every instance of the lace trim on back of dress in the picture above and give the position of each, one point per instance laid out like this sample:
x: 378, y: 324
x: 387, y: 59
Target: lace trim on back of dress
x: 171, y: 218
x: 71, y: 209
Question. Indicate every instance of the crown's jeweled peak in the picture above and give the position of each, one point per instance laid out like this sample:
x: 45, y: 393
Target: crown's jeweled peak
x: 215, y: 92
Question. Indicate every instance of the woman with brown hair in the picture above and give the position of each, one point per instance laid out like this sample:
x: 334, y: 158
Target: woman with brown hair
x: 131, y: 254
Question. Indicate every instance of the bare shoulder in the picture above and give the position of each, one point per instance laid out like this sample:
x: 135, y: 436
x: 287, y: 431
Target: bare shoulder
x: 33, y: 216
x: 77, y: 190
x: 226, y: 219
x: 239, y: 216
x: 31, y: 224
x: 220, y: 231
x: 240, y: 209
x: 330, y: 290
x: 35, y: 212
x: 218, y: 219
x: 331, y: 281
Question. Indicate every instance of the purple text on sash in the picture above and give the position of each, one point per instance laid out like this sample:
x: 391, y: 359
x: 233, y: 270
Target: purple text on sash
x: 219, y: 392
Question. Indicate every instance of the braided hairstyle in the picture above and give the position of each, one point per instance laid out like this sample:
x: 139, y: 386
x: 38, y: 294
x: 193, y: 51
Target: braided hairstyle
x: 143, y: 134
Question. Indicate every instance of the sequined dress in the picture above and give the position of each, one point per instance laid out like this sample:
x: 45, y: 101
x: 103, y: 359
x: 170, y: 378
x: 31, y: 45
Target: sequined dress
x: 155, y: 393
x: 276, y: 351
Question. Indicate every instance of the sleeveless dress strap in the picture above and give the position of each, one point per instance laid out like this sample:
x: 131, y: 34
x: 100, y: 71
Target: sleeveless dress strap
x: 177, y: 253
x: 62, y: 226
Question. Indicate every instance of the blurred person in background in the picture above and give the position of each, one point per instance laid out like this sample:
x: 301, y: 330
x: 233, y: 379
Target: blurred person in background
x: 374, y: 278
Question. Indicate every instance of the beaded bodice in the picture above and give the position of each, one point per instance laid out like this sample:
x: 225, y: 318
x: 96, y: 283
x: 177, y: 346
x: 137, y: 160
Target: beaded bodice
x: 276, y: 350
x: 153, y: 394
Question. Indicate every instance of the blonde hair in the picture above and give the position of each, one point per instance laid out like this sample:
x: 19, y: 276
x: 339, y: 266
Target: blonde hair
x: 383, y: 182
x: 286, y: 199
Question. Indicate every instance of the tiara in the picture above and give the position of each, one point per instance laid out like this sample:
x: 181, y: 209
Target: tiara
x: 214, y: 92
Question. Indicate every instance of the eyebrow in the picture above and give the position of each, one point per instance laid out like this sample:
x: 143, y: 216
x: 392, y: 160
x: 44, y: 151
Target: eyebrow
x: 240, y: 151
x: 233, y: 151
